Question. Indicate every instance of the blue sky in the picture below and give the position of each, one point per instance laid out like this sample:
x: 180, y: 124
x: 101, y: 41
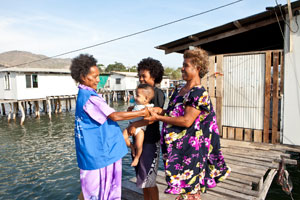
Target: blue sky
x: 52, y: 27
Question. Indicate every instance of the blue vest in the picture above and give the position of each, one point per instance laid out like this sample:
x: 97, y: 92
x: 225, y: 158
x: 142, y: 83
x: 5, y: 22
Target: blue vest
x: 97, y: 145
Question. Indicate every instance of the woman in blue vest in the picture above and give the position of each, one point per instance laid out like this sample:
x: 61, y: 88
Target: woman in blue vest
x: 99, y: 142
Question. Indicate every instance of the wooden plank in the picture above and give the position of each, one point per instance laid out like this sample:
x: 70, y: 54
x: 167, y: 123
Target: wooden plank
x: 277, y: 149
x: 209, y: 196
x: 219, y: 110
x: 248, y: 135
x: 249, y: 155
x: 239, y: 133
x: 267, y: 96
x: 242, y: 185
x: 216, y: 196
x: 258, y: 136
x: 231, y: 133
x: 204, y: 81
x: 224, y: 135
x: 239, y: 189
x: 219, y: 91
x: 246, y: 168
x: 264, y: 153
x: 237, y: 176
x: 267, y: 184
x: 213, y: 101
x: 219, y: 76
x: 239, y: 180
x: 231, y: 193
x: 211, y: 77
x: 248, y: 160
x: 275, y: 139
x: 281, y: 74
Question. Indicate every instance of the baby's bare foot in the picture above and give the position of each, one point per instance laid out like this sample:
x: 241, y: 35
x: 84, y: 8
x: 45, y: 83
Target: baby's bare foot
x: 135, y: 162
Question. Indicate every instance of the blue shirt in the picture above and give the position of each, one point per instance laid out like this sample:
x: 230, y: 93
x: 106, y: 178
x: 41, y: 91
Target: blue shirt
x: 97, y: 145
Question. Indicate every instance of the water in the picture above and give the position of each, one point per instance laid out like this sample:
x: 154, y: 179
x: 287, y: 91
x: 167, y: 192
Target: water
x: 38, y: 160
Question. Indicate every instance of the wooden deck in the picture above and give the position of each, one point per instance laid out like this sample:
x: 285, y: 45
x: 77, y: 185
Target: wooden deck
x: 253, y: 168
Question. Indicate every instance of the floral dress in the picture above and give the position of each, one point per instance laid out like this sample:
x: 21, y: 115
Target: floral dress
x: 192, y: 157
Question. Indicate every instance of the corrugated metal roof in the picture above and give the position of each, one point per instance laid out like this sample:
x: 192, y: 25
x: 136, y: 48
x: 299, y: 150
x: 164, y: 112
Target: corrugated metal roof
x: 40, y: 70
x: 214, y: 35
x: 133, y: 74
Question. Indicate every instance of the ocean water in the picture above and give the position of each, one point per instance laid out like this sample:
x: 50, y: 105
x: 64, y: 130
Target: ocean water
x: 38, y: 160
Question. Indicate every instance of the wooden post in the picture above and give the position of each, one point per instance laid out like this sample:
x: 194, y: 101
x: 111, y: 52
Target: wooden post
x: 258, y: 136
x: 66, y: 104
x: 275, y: 99
x: 219, y: 92
x: 23, y: 113
x: 211, y: 79
x: 248, y: 135
x: 30, y: 109
x: 224, y: 132
x: 239, y: 134
x: 231, y: 133
x: 49, y: 108
x: 37, y: 109
x: 59, y: 104
x: 70, y: 103
x: 55, y: 106
x: 267, y: 97
x: 15, y: 111
x: 25, y: 107
x: 44, y: 106
x: 3, y: 108
x: 10, y: 112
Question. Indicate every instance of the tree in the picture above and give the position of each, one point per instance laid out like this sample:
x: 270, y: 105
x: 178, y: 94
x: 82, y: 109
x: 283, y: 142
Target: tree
x: 168, y: 71
x: 176, y: 74
x: 101, y: 67
x: 132, y: 69
x: 116, y: 67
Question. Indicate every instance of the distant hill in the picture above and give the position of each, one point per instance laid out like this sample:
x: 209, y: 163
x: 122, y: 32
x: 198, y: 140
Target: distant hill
x: 12, y: 58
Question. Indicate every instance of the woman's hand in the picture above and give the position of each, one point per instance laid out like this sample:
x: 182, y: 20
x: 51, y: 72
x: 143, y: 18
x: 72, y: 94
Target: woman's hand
x: 157, y: 110
x: 153, y: 118
x: 146, y: 112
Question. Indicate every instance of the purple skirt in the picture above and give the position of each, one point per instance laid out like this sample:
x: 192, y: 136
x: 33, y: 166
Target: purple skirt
x: 102, y: 184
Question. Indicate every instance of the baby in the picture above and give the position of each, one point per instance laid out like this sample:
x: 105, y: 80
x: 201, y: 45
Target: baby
x: 144, y: 94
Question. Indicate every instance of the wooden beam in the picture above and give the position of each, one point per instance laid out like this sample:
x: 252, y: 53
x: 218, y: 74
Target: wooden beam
x: 267, y: 184
x: 267, y: 97
x: 193, y: 38
x: 237, y: 24
x: 221, y: 35
x: 275, y: 139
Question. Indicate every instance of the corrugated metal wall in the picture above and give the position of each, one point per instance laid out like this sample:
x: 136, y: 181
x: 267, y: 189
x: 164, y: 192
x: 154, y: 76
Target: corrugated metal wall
x: 243, y: 100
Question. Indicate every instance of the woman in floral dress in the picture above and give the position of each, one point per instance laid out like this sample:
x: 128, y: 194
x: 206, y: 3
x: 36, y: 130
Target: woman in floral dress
x: 190, y: 136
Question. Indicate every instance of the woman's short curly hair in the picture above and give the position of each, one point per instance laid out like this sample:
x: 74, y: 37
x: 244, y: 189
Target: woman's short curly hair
x: 199, y: 58
x: 81, y: 65
x: 154, y: 67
